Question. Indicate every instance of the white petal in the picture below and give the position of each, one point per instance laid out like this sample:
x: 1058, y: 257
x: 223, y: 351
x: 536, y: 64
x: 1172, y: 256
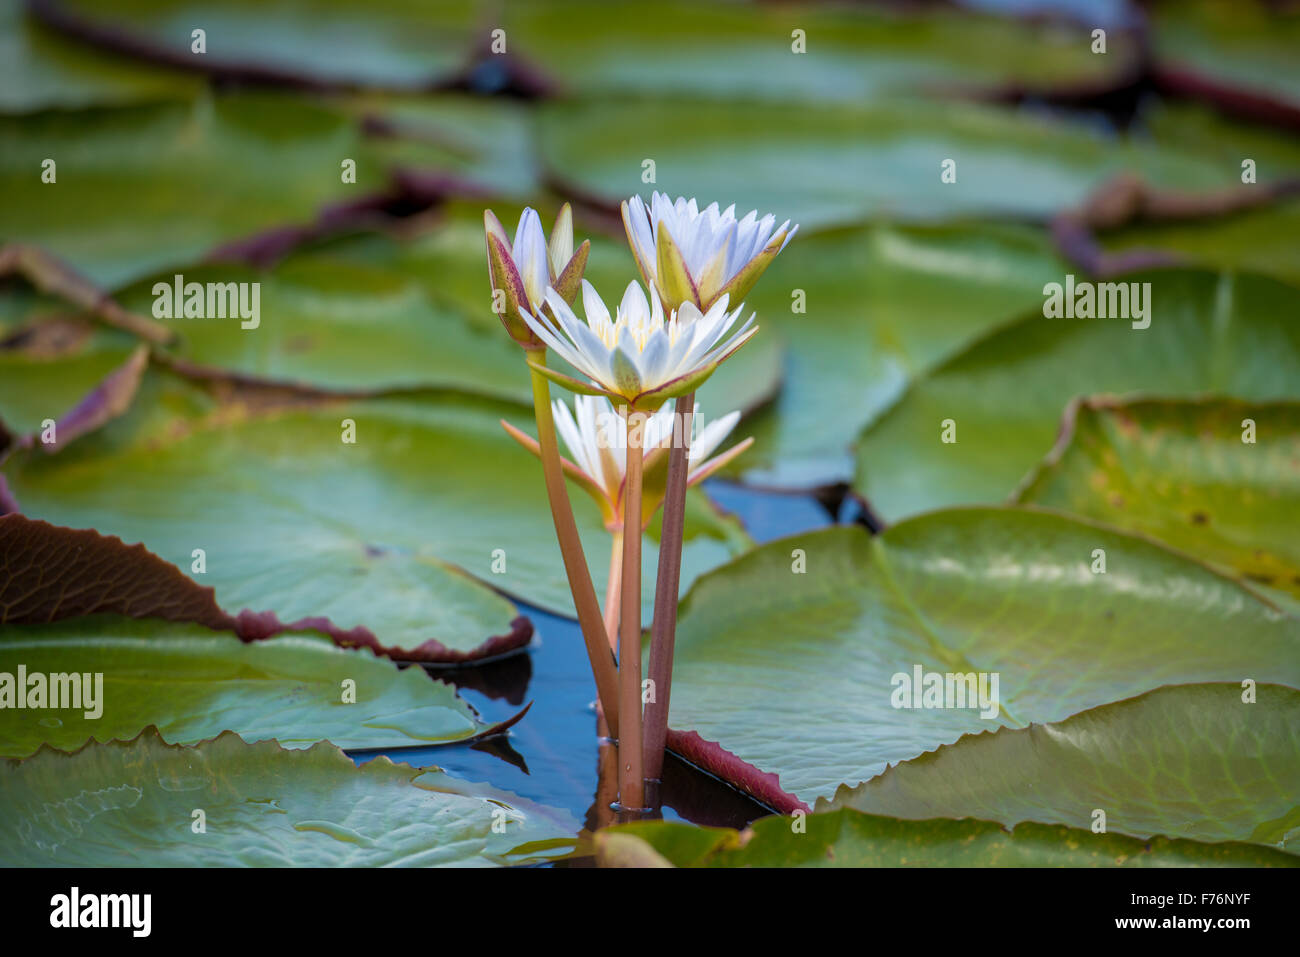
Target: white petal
x: 733, y: 342
x: 656, y: 307
x: 544, y: 331
x: 591, y: 346
x: 635, y: 307
x: 570, y: 433
x: 712, y: 435
x: 659, y: 426
x: 562, y: 339
x: 530, y: 256
x: 593, y: 305
x: 560, y: 249
x: 637, y: 220
x: 654, y: 359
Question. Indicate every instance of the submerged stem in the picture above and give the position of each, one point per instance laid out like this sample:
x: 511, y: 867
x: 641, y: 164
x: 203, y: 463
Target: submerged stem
x: 663, y: 631
x: 631, y: 778
x: 575, y: 562
x: 602, y: 813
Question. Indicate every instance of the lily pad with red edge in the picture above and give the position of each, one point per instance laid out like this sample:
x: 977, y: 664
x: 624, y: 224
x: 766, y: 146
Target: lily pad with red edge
x: 394, y: 533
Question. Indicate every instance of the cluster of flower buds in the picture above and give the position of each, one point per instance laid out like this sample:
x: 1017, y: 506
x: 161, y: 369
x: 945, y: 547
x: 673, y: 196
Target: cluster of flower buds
x: 523, y: 273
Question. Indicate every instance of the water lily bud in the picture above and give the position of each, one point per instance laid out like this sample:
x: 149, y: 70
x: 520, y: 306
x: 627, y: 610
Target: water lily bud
x: 524, y: 271
x: 530, y: 256
x: 560, y: 248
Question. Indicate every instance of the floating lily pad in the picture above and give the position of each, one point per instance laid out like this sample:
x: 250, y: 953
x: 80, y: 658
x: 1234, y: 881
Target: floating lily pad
x: 332, y: 323
x: 395, y: 43
x: 1217, y: 478
x: 848, y: 838
x: 1246, y: 47
x: 1194, y: 127
x: 192, y: 684
x: 883, y: 304
x: 1208, y: 334
x: 35, y: 387
x: 134, y: 804
x: 747, y: 51
x: 1211, y: 762
x: 378, y: 533
x: 145, y: 187
x: 762, y: 647
x: 1259, y: 240
x: 475, y: 142
x: 826, y: 165
x: 40, y: 70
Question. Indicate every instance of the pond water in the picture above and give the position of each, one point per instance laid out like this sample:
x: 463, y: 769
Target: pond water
x: 551, y: 755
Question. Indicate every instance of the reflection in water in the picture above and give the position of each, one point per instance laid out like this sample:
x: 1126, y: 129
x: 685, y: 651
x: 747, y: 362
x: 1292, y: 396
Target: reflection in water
x: 505, y: 679
x: 498, y: 745
x: 554, y: 755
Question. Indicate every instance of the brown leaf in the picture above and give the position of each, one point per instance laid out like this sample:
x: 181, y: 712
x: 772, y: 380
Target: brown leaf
x: 48, y: 572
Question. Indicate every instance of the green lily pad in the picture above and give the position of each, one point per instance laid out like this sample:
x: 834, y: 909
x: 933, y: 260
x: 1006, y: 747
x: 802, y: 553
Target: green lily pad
x: 144, y: 187
x: 1208, y: 334
x: 332, y: 323
x: 449, y: 261
x: 192, y: 684
x: 1246, y: 47
x: 1195, y: 761
x: 1183, y: 472
x: 134, y: 804
x: 884, y: 304
x: 1193, y: 127
x: 378, y: 533
x: 396, y: 43
x: 746, y: 51
x: 35, y: 387
x: 762, y: 648
x: 1259, y: 240
x: 834, y: 164
x: 40, y: 70
x: 484, y: 143
x: 849, y: 838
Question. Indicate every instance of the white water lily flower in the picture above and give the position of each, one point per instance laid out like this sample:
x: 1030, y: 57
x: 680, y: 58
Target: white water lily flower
x: 522, y: 271
x: 637, y: 357
x: 699, y: 257
x: 595, y: 436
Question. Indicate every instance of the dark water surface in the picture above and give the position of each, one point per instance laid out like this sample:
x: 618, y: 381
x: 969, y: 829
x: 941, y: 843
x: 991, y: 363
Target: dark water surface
x: 551, y: 755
